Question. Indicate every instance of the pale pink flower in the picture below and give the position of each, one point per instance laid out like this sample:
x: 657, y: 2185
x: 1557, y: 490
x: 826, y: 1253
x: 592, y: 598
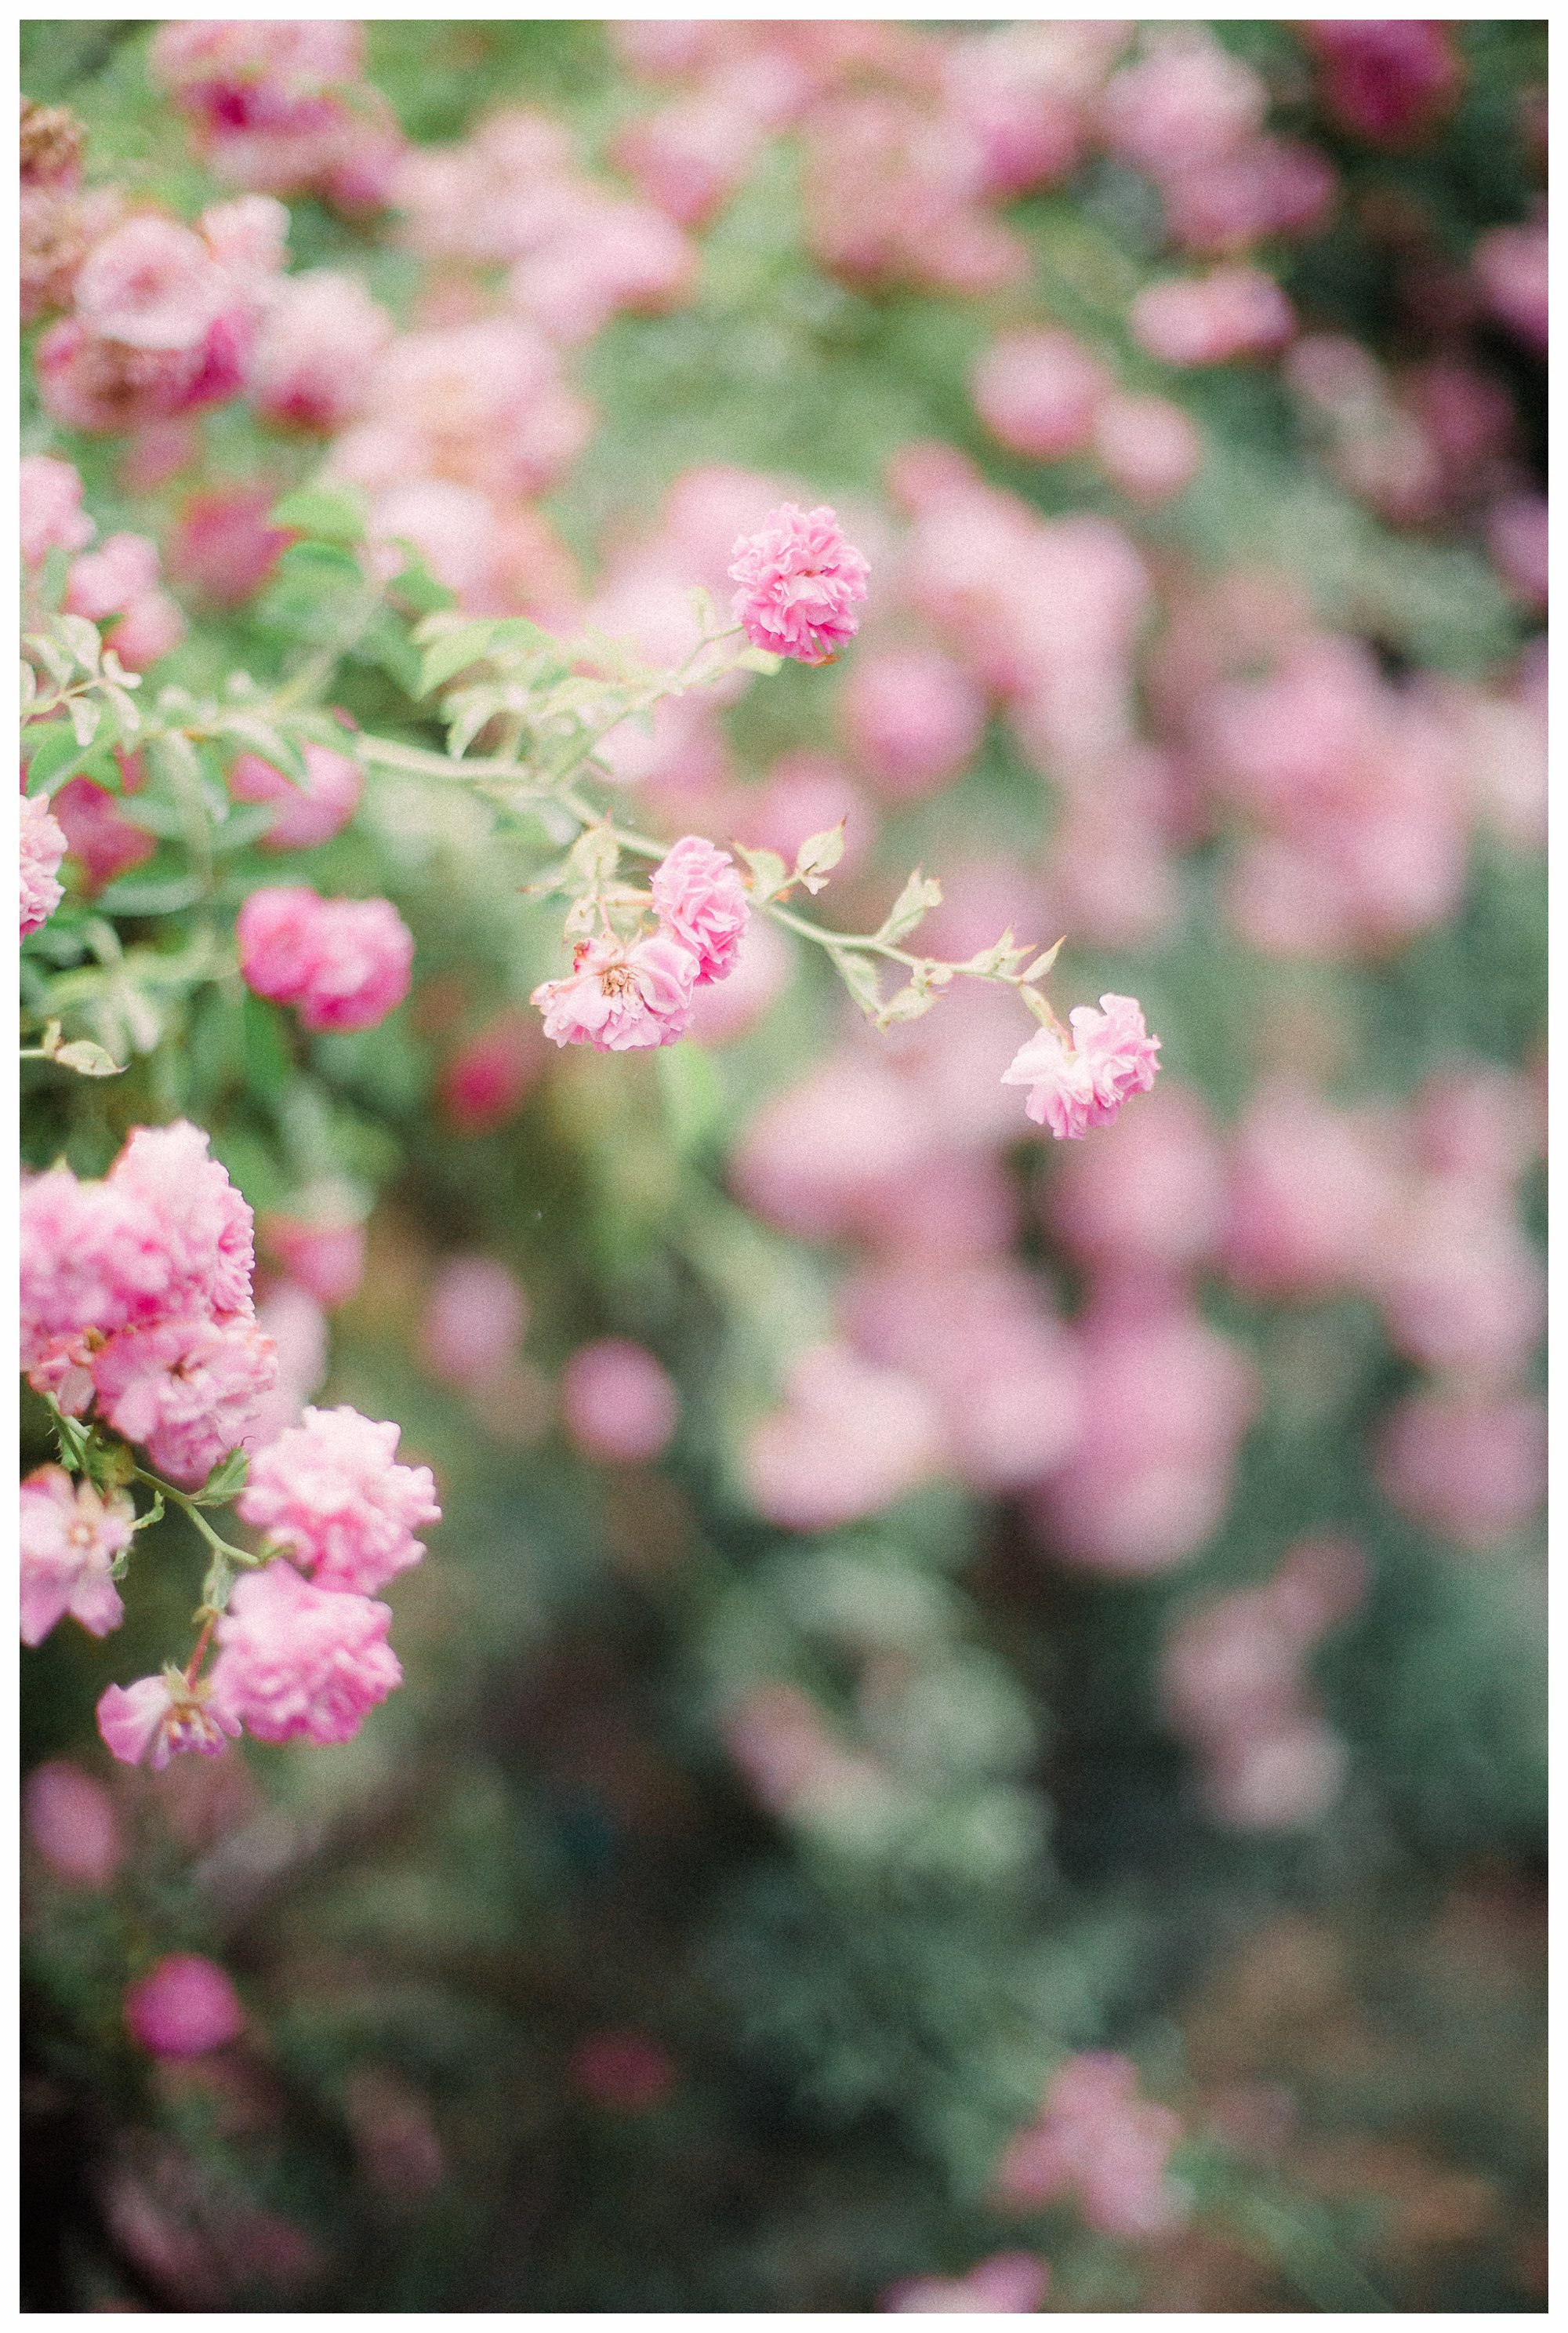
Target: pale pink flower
x: 330, y: 1494
x: 308, y: 812
x: 42, y: 849
x: 316, y: 350
x: 617, y: 1401
x: 1312, y: 1191
x: 159, y: 1717
x: 1187, y: 101
x: 818, y: 1157
x: 50, y: 514
x: 249, y: 238
x: 151, y: 283
x: 1234, y: 311
x: 1008, y: 2284
x: 798, y: 583
x: 1025, y: 92
x: 103, y: 843
x: 690, y: 157
x: 913, y: 718
x: 108, y: 581
x: 804, y: 794
x: 344, y: 964
x: 1278, y: 1781
x: 621, y: 996
x: 607, y: 257
x: 1077, y: 1085
x: 1511, y: 263
x: 149, y: 627
x: 850, y: 1438
x: 1097, y: 2141
x: 297, y: 1326
x: 182, y: 2007
x: 1469, y: 1465
x: 297, y: 1663
x: 473, y: 1322
x: 1146, y: 446
x: 1037, y: 392
x: 187, y: 1390
x: 324, y: 1258
x: 70, y: 1819
x: 1460, y: 1286
x: 71, y: 1535
x: 206, y: 1223
x: 1151, y: 1193
x: 94, y: 1257
x: 699, y: 898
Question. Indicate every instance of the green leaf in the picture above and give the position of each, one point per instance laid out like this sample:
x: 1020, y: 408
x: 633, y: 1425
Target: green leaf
x: 906, y: 1004
x: 451, y: 650
x: 328, y: 514
x: 817, y: 855
x: 227, y: 1476
x: 49, y: 654
x: 768, y: 873
x: 134, y: 896
x: 470, y: 709
x: 155, y: 1513
x: 858, y: 974
x: 918, y: 896
x: 88, y: 1060
x: 56, y: 755
x: 416, y: 588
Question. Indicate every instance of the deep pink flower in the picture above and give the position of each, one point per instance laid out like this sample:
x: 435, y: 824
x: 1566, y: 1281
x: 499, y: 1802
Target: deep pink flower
x: 798, y: 583
x: 106, y: 388
x: 42, y: 847
x: 206, y: 1223
x: 307, y: 813
x: 51, y: 513
x: 301, y: 1663
x: 1386, y: 79
x: 70, y: 1537
x: 70, y: 1817
x: 223, y: 544
x: 621, y: 996
x: 159, y: 1716
x: 344, y: 964
x: 1083, y: 1083
x: 94, y: 1257
x: 328, y: 1493
x: 617, y: 1402
x: 187, y: 1390
x: 700, y: 898
x: 103, y: 844
x: 182, y: 2007
x: 491, y: 1074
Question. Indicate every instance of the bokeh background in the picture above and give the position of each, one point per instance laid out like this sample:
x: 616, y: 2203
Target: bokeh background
x: 916, y: 1602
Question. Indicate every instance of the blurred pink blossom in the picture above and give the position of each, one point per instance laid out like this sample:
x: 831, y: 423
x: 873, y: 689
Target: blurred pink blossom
x: 1469, y: 1465
x: 1146, y: 446
x: 617, y: 1402
x: 316, y: 350
x: 1152, y: 1192
x: 912, y: 718
x: 1235, y: 311
x: 1008, y: 2284
x: 42, y: 846
x: 492, y: 1074
x: 1037, y: 392
x: 1387, y: 79
x: 184, y: 2006
x: 223, y: 544
x: 1098, y: 2142
x: 344, y: 964
x: 473, y: 1322
x: 50, y: 512
x: 850, y: 1437
x: 70, y: 1819
x: 308, y: 810
x: 103, y: 843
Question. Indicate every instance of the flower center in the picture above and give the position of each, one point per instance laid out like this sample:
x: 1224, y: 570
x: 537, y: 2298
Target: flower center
x: 617, y: 980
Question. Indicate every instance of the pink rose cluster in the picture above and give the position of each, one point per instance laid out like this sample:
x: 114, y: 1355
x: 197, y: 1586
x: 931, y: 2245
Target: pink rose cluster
x: 342, y: 963
x: 135, y: 1297
x: 40, y: 846
x: 1234, y: 1690
x: 298, y: 1659
x: 283, y: 106
x: 1100, y: 2144
x: 623, y: 995
x: 118, y: 585
x: 797, y: 583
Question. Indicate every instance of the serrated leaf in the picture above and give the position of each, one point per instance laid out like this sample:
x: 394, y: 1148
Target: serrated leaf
x: 328, y: 514
x: 83, y: 639
x: 269, y: 742
x: 452, y: 652
x: 859, y: 976
x: 88, y: 1060
x: 768, y: 873
x: 229, y: 1475
x: 818, y: 855
x: 918, y: 896
x: 906, y: 1004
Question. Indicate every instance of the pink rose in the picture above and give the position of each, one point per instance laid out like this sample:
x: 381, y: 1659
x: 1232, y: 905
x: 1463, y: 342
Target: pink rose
x: 621, y: 996
x: 344, y: 964
x: 70, y: 1537
x: 300, y: 1663
x: 699, y: 898
x: 328, y: 1493
x: 798, y: 581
